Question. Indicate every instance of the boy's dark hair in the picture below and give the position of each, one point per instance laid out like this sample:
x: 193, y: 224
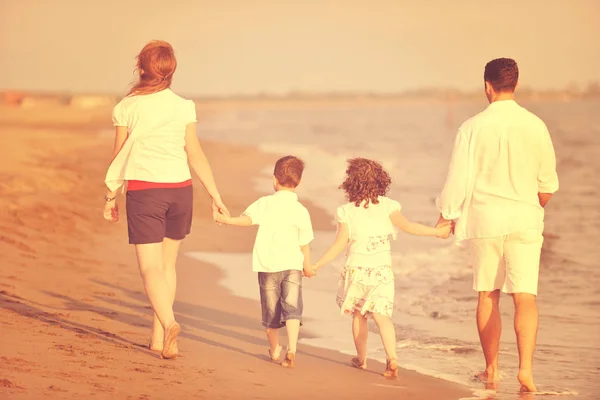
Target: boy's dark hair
x: 502, y: 74
x: 288, y: 171
x: 365, y: 181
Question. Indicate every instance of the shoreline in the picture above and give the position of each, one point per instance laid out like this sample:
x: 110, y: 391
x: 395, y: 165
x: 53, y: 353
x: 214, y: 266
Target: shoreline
x: 74, y: 316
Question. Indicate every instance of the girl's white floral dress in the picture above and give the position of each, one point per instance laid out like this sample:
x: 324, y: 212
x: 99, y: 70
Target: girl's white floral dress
x: 367, y: 280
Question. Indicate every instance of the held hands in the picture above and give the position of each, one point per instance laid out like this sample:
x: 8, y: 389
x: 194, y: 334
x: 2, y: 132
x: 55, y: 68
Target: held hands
x: 445, y: 227
x: 219, y: 210
x: 309, y: 272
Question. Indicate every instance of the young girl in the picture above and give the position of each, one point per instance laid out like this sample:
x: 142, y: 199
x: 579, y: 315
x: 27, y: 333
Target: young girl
x: 155, y: 138
x: 366, y: 288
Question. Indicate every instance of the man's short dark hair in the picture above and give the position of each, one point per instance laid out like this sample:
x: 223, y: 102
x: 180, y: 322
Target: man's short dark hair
x: 502, y: 74
x: 288, y: 171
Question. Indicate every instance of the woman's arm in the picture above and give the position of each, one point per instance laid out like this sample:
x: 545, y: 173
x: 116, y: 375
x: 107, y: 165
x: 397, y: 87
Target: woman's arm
x: 199, y: 163
x: 414, y: 228
x: 340, y: 243
x: 121, y: 135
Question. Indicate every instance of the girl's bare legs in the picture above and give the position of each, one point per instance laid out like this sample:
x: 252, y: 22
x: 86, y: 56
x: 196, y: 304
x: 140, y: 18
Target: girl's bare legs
x: 155, y: 283
x: 360, y: 332
x: 170, y: 250
x: 388, y: 337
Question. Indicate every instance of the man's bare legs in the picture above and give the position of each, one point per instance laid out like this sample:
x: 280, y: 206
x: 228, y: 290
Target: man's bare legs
x: 489, y: 326
x: 526, y: 326
x: 170, y: 250
x: 360, y: 331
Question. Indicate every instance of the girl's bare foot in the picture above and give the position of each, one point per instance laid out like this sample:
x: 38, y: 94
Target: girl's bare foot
x: 525, y: 378
x: 357, y: 363
x: 170, y: 345
x: 391, y: 369
x: 487, y: 377
x: 289, y: 361
x: 275, y: 354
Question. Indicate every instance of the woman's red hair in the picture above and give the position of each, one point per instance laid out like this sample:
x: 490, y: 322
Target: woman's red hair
x: 156, y: 65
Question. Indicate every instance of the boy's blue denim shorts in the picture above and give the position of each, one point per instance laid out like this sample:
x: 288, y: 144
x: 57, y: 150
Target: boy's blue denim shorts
x: 280, y: 297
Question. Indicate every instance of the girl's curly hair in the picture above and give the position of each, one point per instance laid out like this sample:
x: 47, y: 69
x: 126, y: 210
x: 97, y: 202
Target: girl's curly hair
x: 365, y: 181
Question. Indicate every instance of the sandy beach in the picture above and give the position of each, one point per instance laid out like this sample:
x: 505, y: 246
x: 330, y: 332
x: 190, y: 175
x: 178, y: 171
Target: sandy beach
x: 73, y: 316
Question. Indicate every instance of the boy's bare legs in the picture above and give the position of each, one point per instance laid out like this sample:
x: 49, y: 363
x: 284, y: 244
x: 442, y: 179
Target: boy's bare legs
x: 489, y: 326
x: 170, y: 250
x: 292, y: 327
x: 274, y: 347
x: 526, y: 326
x: 360, y: 332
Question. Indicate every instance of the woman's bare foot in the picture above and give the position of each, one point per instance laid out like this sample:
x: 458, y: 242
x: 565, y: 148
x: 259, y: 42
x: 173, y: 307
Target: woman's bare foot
x: 525, y: 378
x: 357, y: 363
x: 155, y: 346
x: 391, y: 369
x: 275, y: 354
x: 289, y: 361
x: 170, y: 349
x: 487, y: 376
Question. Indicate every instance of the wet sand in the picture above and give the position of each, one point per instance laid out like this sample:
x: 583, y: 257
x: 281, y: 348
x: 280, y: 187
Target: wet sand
x: 74, y: 319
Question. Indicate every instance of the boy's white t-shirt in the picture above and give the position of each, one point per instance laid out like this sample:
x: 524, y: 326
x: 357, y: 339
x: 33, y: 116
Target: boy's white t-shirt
x: 283, y: 226
x: 369, y: 231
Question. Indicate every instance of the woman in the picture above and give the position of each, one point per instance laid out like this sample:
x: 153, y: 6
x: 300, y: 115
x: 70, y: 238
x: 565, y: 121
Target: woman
x: 155, y: 139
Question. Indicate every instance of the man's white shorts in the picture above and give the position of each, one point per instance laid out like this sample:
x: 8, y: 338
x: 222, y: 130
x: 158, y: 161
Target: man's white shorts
x: 510, y: 263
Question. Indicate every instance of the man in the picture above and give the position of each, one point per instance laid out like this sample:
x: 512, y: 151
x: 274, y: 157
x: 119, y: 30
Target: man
x: 502, y: 174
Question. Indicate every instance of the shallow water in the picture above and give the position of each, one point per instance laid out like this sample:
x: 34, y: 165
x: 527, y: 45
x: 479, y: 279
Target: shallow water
x: 435, y: 304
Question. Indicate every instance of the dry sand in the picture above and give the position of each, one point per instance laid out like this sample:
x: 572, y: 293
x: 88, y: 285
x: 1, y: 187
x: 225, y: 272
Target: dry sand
x: 74, y: 320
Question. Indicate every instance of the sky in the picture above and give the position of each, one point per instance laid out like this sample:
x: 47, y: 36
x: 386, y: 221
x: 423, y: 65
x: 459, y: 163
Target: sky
x: 245, y: 47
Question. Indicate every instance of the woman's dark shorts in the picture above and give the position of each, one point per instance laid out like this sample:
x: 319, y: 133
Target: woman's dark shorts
x: 155, y: 214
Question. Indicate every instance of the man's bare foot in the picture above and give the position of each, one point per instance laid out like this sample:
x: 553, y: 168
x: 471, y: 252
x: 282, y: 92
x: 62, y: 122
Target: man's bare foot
x: 525, y: 378
x: 357, y: 363
x: 170, y: 349
x: 487, y: 376
x: 275, y: 354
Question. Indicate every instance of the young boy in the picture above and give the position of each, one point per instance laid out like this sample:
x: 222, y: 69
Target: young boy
x: 281, y: 253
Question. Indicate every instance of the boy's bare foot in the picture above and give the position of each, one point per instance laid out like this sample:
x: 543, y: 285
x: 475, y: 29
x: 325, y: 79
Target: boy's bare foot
x: 170, y: 349
x: 487, y: 376
x: 525, y: 378
x: 391, y: 369
x: 356, y: 363
x: 275, y: 354
x: 289, y: 361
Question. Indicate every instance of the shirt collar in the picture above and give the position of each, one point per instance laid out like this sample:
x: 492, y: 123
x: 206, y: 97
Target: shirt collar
x: 502, y: 104
x: 287, y: 194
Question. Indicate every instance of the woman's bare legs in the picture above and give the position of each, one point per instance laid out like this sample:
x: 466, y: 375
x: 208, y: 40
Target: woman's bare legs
x: 157, y: 288
x: 170, y: 250
x: 360, y: 332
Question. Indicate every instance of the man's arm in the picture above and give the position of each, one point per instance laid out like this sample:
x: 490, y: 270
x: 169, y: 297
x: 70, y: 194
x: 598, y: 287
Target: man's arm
x: 454, y: 193
x: 547, y: 177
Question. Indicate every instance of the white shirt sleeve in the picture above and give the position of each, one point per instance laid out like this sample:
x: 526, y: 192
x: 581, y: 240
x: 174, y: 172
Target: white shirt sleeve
x: 305, y: 230
x: 255, y: 211
x: 119, y: 117
x: 190, y: 112
x: 547, y: 177
x: 392, y: 206
x: 453, y: 195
